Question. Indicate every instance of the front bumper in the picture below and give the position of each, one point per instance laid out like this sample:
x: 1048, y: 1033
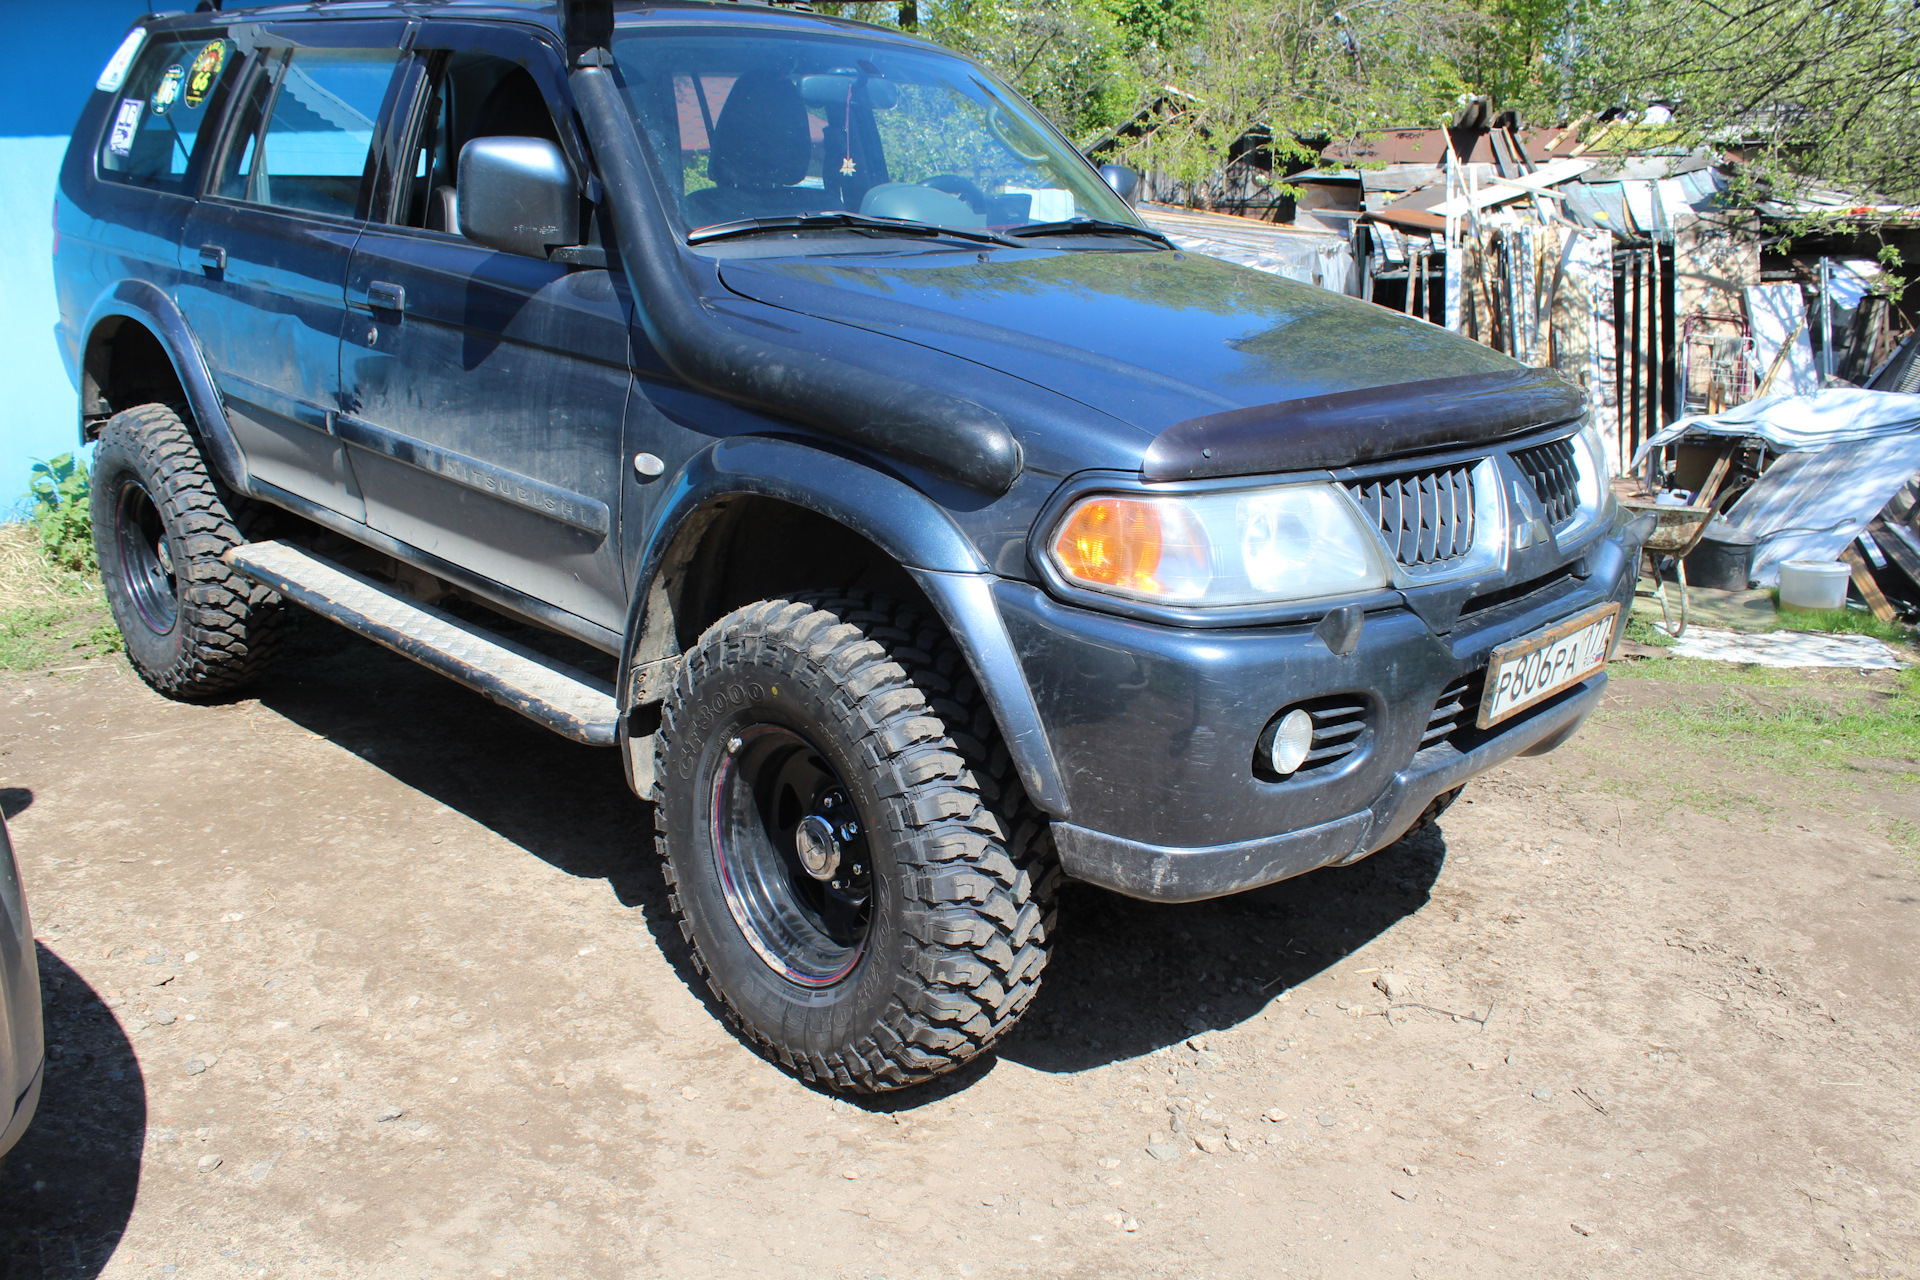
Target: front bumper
x: 1155, y: 727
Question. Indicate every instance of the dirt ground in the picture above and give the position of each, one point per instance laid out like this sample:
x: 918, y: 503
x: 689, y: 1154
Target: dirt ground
x: 364, y: 976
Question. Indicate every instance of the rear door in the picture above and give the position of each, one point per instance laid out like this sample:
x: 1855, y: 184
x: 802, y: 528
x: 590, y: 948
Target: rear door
x: 265, y: 251
x: 485, y: 390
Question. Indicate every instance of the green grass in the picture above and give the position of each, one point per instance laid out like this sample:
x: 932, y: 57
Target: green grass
x: 1845, y: 622
x: 1905, y: 838
x: 1797, y: 733
x: 1640, y: 631
x: 1695, y: 671
x: 50, y: 615
x: 36, y: 636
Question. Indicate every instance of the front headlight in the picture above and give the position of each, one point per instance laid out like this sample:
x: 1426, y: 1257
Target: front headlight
x: 1293, y: 542
x: 1596, y: 480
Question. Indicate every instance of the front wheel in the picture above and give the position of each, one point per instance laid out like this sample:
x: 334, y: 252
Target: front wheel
x: 848, y: 853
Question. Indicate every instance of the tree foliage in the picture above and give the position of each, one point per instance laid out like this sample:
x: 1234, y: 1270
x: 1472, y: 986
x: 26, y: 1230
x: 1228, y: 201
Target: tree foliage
x: 1821, y: 88
x: 1827, y: 89
x: 1286, y: 70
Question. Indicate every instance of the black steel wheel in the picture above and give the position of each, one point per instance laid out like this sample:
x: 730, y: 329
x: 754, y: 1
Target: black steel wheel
x: 863, y: 883
x: 146, y: 558
x: 792, y: 856
x: 193, y: 627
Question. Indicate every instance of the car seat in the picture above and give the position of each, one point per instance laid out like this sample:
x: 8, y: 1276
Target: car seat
x: 761, y: 146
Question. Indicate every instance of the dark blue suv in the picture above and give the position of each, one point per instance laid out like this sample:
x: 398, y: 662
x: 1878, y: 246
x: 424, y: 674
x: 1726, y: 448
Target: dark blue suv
x: 946, y: 531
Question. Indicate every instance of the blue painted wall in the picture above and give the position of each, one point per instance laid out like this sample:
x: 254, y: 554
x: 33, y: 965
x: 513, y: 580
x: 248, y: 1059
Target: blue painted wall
x: 40, y: 97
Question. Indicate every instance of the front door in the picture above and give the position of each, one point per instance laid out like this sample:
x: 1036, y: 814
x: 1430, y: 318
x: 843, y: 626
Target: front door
x: 266, y: 249
x: 483, y: 390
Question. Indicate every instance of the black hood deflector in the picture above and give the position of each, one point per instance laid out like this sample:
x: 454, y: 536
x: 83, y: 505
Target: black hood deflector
x: 1351, y: 427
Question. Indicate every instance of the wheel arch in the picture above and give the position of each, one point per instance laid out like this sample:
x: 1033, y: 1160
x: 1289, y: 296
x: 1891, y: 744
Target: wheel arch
x: 137, y: 347
x: 752, y: 517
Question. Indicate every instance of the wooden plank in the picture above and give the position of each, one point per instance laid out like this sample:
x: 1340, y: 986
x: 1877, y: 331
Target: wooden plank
x: 1901, y: 505
x: 1869, y: 589
x: 1901, y: 547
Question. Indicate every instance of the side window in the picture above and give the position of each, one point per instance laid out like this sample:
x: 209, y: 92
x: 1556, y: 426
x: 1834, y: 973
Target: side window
x: 159, y: 113
x: 303, y: 136
x: 472, y: 96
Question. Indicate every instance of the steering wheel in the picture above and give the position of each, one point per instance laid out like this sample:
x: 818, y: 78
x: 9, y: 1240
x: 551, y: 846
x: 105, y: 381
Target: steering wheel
x: 955, y: 185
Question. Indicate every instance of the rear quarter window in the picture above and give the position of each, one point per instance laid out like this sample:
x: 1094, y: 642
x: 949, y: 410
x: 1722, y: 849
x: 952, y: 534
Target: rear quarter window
x: 160, y: 111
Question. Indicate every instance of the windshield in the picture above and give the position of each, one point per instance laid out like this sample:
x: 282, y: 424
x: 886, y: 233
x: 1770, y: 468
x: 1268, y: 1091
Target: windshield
x: 775, y: 125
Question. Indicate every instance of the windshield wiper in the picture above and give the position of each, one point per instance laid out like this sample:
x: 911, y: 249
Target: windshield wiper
x: 1090, y: 227
x: 856, y: 221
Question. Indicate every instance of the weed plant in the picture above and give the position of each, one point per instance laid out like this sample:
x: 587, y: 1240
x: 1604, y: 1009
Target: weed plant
x: 58, y: 497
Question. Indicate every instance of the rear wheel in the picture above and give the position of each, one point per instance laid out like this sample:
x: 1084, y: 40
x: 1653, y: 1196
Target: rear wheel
x: 849, y: 855
x: 193, y: 627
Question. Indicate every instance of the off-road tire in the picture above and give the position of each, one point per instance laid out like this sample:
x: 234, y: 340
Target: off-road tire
x: 1435, y: 807
x: 965, y: 878
x: 224, y: 628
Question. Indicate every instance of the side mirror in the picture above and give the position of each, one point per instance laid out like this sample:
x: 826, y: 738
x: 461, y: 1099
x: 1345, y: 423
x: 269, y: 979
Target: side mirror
x: 1124, y: 181
x: 517, y: 195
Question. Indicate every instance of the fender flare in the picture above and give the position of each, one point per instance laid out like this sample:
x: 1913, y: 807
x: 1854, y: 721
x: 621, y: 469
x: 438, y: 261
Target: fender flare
x: 147, y: 305
x: 897, y: 518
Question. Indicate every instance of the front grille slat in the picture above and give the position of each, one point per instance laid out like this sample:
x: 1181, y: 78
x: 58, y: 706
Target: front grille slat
x: 1455, y: 709
x: 1463, y: 513
x: 1426, y: 517
x: 1555, y: 476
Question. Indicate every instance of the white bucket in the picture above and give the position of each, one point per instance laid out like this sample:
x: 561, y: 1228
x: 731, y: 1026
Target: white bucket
x: 1813, y: 584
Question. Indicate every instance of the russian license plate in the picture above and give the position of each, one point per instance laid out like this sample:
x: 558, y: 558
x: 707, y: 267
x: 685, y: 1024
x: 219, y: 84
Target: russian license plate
x: 1524, y: 671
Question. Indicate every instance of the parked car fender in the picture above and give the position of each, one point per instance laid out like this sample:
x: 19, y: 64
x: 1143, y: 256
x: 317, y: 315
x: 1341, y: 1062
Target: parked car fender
x: 142, y: 303
x: 901, y: 521
x: 22, y: 1035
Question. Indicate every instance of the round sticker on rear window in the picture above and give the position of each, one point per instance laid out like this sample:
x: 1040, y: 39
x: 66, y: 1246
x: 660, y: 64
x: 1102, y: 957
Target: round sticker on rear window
x: 204, y: 72
x: 167, y: 92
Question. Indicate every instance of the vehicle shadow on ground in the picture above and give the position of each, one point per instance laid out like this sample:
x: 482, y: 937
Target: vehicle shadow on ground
x: 67, y: 1189
x: 1131, y: 977
x: 1128, y: 977
x: 563, y: 802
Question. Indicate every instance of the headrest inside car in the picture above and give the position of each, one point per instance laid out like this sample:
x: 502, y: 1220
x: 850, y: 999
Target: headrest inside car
x: 761, y: 138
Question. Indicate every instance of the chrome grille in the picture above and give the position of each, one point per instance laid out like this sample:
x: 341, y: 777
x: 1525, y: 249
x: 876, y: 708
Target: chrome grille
x: 1425, y: 516
x: 1555, y: 477
x: 1457, y: 708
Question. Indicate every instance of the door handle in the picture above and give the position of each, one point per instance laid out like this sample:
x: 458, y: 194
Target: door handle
x: 213, y: 258
x: 382, y: 296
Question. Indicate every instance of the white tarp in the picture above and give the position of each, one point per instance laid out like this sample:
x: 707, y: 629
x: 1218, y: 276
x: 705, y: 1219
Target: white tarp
x: 1803, y: 423
x: 1845, y: 453
x: 1809, y: 506
x: 1788, y: 649
x: 1321, y: 260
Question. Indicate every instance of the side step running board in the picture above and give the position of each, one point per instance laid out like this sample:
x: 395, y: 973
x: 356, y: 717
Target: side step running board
x: 563, y: 698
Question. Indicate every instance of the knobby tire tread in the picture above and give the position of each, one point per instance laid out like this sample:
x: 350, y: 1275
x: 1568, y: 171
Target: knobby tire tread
x: 232, y: 626
x: 979, y: 871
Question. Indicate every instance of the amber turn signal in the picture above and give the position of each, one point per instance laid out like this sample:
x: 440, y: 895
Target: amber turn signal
x: 1112, y: 542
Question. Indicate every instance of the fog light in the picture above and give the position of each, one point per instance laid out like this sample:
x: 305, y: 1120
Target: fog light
x: 1292, y: 739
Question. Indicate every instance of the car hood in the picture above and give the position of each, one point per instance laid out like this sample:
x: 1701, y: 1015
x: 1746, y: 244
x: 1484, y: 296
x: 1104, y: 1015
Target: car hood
x: 1150, y: 338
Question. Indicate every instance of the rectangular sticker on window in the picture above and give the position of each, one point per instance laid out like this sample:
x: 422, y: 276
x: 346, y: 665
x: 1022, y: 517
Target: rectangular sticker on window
x: 126, y: 122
